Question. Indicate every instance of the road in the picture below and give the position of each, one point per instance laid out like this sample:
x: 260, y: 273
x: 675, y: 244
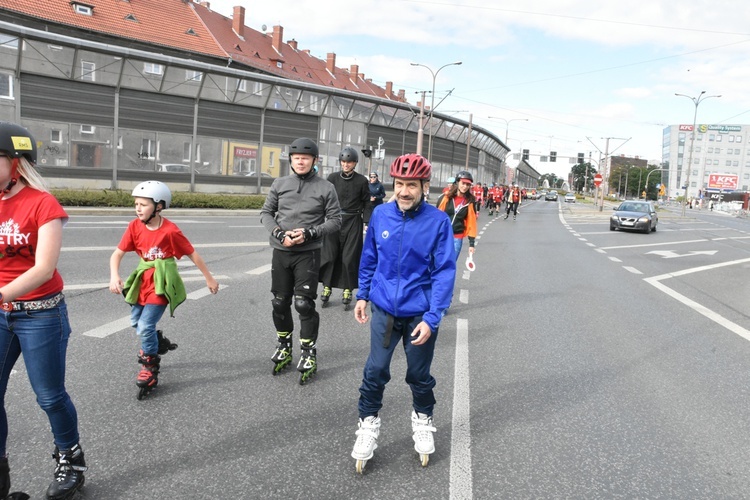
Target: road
x: 575, y: 362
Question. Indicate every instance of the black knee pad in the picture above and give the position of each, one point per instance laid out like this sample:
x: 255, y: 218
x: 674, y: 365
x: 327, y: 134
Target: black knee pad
x: 304, y: 305
x: 281, y: 303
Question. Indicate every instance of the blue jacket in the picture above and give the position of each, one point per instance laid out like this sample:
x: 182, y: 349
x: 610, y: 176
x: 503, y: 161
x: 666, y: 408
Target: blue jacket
x: 408, y: 266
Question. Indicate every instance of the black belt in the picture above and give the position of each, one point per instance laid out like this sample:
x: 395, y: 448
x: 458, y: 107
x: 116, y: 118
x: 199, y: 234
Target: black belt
x: 351, y: 213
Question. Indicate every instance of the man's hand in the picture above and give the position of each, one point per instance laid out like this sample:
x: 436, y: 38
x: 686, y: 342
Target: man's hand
x: 422, y: 332
x: 360, y: 312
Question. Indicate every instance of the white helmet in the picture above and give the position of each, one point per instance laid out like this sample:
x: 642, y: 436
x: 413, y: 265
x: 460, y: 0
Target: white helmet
x: 157, y: 191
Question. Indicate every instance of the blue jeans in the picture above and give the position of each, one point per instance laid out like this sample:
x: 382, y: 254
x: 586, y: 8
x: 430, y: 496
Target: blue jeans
x: 377, y: 371
x: 42, y: 337
x: 458, y: 243
x: 144, y: 319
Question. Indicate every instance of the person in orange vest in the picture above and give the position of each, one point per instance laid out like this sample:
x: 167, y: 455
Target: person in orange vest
x: 514, y: 198
x: 458, y: 203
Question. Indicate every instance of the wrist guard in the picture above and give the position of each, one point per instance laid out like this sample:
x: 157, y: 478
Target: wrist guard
x: 279, y: 234
x: 310, y: 233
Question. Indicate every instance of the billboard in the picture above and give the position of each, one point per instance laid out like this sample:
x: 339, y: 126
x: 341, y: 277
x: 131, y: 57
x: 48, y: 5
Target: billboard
x: 723, y: 181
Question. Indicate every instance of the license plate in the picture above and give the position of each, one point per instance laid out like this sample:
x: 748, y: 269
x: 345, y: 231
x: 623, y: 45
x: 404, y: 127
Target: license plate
x: 627, y: 223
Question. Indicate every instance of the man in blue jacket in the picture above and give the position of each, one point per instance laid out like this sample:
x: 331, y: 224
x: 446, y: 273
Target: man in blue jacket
x: 407, y: 272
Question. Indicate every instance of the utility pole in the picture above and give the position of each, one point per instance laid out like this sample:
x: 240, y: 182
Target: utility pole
x: 420, y: 132
x: 468, y: 143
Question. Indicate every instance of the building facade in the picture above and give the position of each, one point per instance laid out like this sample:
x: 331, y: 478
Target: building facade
x: 108, y: 111
x: 718, y: 163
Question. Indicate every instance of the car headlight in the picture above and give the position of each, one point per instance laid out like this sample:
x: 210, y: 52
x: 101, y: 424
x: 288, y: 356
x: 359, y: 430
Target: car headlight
x: 614, y: 217
x: 643, y: 219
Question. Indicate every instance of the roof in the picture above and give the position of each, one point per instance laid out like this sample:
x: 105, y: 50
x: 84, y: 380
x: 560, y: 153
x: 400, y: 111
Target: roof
x: 193, y: 27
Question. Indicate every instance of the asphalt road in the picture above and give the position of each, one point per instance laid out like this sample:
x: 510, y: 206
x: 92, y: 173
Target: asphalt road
x: 575, y: 362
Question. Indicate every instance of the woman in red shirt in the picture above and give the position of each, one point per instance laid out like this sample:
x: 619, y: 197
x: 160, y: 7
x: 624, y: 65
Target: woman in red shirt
x: 33, y: 316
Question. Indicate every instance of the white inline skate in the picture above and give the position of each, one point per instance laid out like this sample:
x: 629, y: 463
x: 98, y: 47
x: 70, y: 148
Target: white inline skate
x: 367, y: 441
x: 424, y: 443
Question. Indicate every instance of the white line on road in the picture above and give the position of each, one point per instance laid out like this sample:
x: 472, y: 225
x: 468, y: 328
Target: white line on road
x: 614, y: 259
x: 198, y: 245
x: 655, y: 244
x: 463, y: 296
x: 259, y: 270
x: 632, y: 270
x: 461, y: 487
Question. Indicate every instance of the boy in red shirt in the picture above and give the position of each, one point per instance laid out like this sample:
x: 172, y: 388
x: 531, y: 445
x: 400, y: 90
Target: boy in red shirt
x: 155, y: 284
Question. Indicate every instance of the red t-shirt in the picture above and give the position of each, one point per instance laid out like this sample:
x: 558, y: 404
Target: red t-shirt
x: 163, y: 243
x: 21, y: 216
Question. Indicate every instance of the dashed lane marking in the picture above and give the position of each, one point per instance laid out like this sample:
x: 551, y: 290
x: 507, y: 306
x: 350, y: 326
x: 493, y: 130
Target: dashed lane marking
x: 461, y: 487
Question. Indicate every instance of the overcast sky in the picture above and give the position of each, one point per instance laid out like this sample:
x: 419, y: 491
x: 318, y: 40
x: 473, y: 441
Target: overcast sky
x: 578, y: 71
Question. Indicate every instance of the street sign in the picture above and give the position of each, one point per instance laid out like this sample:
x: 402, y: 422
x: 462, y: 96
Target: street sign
x: 597, y: 180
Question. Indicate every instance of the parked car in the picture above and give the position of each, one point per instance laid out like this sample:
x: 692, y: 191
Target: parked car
x: 570, y: 198
x: 551, y: 196
x: 634, y: 215
x: 262, y: 175
x: 173, y: 167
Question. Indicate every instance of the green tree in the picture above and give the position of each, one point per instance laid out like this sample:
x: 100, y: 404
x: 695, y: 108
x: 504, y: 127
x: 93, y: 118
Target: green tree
x: 583, y: 176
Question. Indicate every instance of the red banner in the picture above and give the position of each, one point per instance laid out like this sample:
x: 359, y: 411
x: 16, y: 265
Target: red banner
x: 723, y: 181
x: 245, y: 152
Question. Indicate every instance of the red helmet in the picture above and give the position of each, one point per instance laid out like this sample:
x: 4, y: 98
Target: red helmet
x: 411, y: 166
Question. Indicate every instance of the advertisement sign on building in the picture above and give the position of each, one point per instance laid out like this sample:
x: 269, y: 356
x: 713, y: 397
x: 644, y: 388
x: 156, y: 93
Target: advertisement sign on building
x: 727, y: 182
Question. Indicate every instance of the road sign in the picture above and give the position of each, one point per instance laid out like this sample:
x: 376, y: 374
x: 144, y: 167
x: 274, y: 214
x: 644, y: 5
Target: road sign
x: 597, y: 180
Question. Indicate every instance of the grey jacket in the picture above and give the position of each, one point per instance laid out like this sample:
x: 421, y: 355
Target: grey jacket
x: 301, y: 202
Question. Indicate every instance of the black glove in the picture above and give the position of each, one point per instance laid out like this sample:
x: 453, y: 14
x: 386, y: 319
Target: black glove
x: 310, y: 233
x: 279, y: 234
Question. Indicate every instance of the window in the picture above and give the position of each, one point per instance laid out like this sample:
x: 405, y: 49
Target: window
x: 148, y: 149
x: 711, y: 137
x: 153, y: 69
x: 718, y: 138
x: 736, y: 151
x: 735, y: 163
x: 194, y: 76
x: 88, y: 71
x: 55, y: 136
x: 242, y: 86
x: 79, y: 8
x: 709, y: 150
x: 6, y: 86
x: 8, y: 41
x: 728, y: 163
x: 697, y: 149
x: 257, y: 88
x: 187, y: 152
x: 716, y: 162
x: 88, y: 129
x: 681, y: 137
x: 699, y: 137
x: 731, y: 138
x: 738, y: 139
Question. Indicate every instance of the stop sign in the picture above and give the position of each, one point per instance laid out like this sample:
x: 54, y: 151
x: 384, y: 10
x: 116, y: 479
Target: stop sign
x: 597, y: 180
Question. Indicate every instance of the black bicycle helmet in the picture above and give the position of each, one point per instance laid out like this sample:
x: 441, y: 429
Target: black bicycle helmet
x: 349, y: 154
x: 463, y: 174
x: 16, y: 141
x: 304, y: 146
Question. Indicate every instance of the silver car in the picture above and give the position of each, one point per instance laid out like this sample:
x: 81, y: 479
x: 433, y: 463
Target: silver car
x: 634, y: 215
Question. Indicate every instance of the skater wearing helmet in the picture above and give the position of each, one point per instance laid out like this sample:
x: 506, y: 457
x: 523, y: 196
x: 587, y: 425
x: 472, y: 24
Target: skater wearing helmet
x: 406, y: 273
x: 339, y: 258
x: 34, y: 317
x: 155, y: 283
x: 299, y: 211
x: 377, y: 191
x: 458, y: 203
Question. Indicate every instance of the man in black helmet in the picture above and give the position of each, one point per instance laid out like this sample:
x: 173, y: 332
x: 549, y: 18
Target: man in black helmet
x: 341, y: 251
x: 300, y: 210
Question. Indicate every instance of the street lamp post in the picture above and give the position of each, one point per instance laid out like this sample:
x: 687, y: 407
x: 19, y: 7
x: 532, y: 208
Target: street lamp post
x: 507, y: 124
x: 696, y: 100
x: 432, y: 102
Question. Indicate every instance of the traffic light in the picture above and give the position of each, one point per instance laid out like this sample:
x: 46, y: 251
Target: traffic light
x: 525, y: 155
x: 580, y: 158
x: 553, y: 156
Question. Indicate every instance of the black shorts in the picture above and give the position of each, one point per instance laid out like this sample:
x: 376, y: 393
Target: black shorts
x: 295, y: 273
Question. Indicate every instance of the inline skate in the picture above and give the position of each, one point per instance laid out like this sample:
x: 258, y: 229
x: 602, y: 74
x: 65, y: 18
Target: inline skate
x: 5, y: 483
x: 165, y: 345
x: 346, y: 299
x: 367, y: 441
x: 325, y: 296
x: 68, y: 473
x: 422, y: 428
x: 148, y: 377
x: 283, y: 355
x: 308, y: 363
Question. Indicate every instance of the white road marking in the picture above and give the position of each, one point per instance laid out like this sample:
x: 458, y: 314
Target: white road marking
x: 656, y: 281
x: 198, y: 245
x: 461, y: 487
x: 94, y: 286
x: 655, y: 244
x: 463, y: 296
x: 632, y: 270
x: 669, y: 254
x: 259, y: 270
x: 614, y: 259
